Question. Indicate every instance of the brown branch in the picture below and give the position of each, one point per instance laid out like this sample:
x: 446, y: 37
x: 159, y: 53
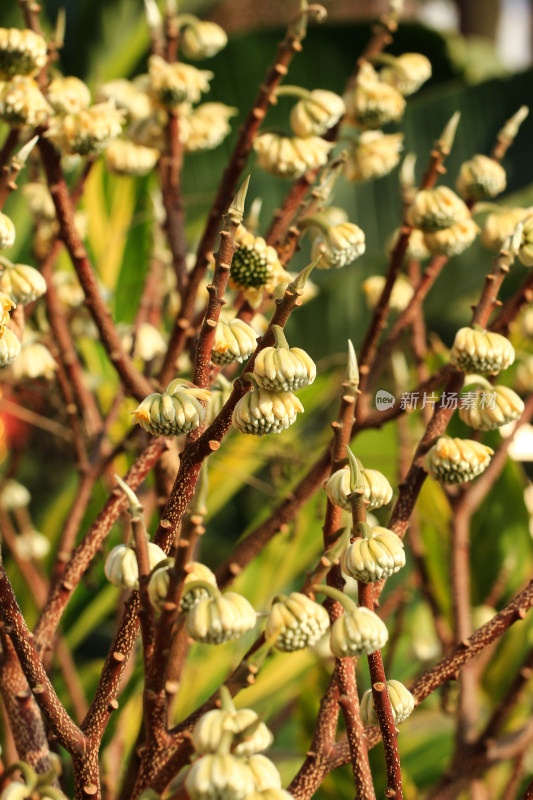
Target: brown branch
x: 170, y: 167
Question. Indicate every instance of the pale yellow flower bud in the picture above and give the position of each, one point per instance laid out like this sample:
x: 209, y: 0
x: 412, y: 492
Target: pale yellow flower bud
x: 22, y: 104
x: 235, y: 341
x: 207, y: 126
x: 216, y: 776
x: 127, y: 95
x: 32, y: 545
x: 149, y: 343
x: 202, y: 40
x: 22, y: 283
x: 208, y: 731
x: 296, y: 621
x: 261, y: 411
x: 172, y: 84
x: 290, y: 156
x: 375, y: 555
x: 401, y: 700
x: 160, y: 578
x: 284, y: 369
x: 416, y: 248
x: 7, y: 232
x: 435, y: 209
x: 9, y: 348
x: 492, y: 409
x: 176, y: 411
x: 68, y: 289
x: 6, y: 306
x: 14, y: 495
x: 68, y: 95
x: 500, y: 225
x: 22, y: 52
x: 39, y: 200
x: 127, y: 158
x: 34, y: 360
x: 373, y: 103
x: 525, y: 253
x: 358, y: 632
x: 401, y: 295
x: 374, y: 155
x: 452, y: 241
x: 457, y: 460
x: 481, y: 178
x: 481, y: 351
x: 88, y: 132
x: 339, y: 246
x: 407, y: 73
x: 265, y: 773
x: 220, y: 618
x: 314, y: 115
x: 121, y: 564
x: 378, y: 491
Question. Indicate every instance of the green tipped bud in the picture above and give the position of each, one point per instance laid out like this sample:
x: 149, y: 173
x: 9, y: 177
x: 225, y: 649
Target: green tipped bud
x: 297, y: 620
x: 401, y: 700
x: 374, y: 557
x: 235, y: 341
x: 284, y: 369
x: 378, y: 491
x: 358, y: 632
x: 481, y: 178
x: 220, y: 618
x: 435, y: 209
x: 121, y: 565
x: 457, y: 460
x: 261, y: 411
x: 217, y: 776
x: 481, y: 351
x: 176, y: 411
x: 492, y: 408
x: 251, y: 736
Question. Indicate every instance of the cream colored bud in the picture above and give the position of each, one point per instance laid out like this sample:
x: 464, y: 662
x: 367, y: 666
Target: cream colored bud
x: 481, y: 178
x: 22, y: 104
x: 401, y: 295
x: 416, y: 248
x: 407, y: 73
x: 220, y: 618
x: 121, y: 564
x: 207, y: 126
x: 358, y: 632
x: 22, y: 52
x: 481, y: 351
x: 235, y: 341
x: 339, y: 246
x: 6, y: 306
x: 373, y: 103
x: 266, y: 774
x: 22, y: 283
x: 127, y: 95
x: 68, y: 95
x: 500, y: 225
x: 316, y: 114
x: 7, y: 232
x: 14, y: 495
x: 492, y: 408
x: 68, y: 289
x: 160, y: 578
x: 9, y: 348
x: 216, y: 776
x: 88, y: 132
x: 175, y: 83
x: 261, y: 411
x: 452, y: 241
x: 525, y: 253
x: 39, y: 200
x: 208, y: 732
x: 457, y: 460
x: 255, y: 265
x: 127, y: 158
x: 401, y: 700
x: 296, y: 621
x: 149, y: 343
x: 202, y: 40
x: 290, y: 156
x: 438, y: 208
x: 34, y: 360
x: 374, y: 556
x: 32, y: 545
x: 374, y: 155
x: 524, y: 376
x: 378, y: 491
x: 16, y: 791
x: 283, y: 369
x: 176, y: 411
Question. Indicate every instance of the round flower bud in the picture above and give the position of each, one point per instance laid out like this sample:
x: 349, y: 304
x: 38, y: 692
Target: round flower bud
x: 220, y: 618
x: 375, y: 555
x: 127, y: 158
x: 438, y: 208
x: 22, y: 104
x: 500, y: 225
x: 127, y: 95
x: 492, y: 409
x: 148, y: 342
x: 317, y: 113
x: 88, y: 132
x: 452, y: 241
x: 7, y: 232
x: 235, y: 340
x: 6, y: 306
x: 378, y: 491
x: 32, y: 545
x: 297, y: 621
x: 416, y: 248
x: 208, y: 732
x: 177, y: 410
x: 23, y: 283
x: 290, y: 156
x: 266, y: 774
x: 255, y: 267
x: 261, y: 411
x: 34, y: 360
x: 9, y: 348
x: 202, y: 40
x: 358, y: 632
x: 284, y: 369
x: 457, y: 460
x: 22, y: 52
x: 160, y: 578
x: 401, y: 295
x: 373, y: 103
x: 219, y: 776
x: 174, y: 83
x: 374, y: 155
x: 121, y: 564
x: 407, y: 73
x: 68, y: 95
x: 481, y: 351
x: 207, y: 126
x: 481, y: 178
x: 150, y: 131
x: 524, y: 376
x: 401, y: 700
x: 339, y: 246
x: 14, y: 495
x: 525, y: 252
x: 68, y: 289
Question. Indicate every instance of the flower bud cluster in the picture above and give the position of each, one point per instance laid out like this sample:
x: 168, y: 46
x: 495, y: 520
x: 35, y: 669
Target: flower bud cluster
x: 22, y: 52
x: 457, y: 460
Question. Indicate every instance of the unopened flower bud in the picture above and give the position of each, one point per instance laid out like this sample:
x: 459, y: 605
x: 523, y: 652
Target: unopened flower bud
x: 290, y: 156
x: 22, y: 282
x: 176, y: 411
x: 68, y: 95
x: 254, y: 263
x: 149, y: 343
x: 500, y: 225
x: 438, y: 208
x: 317, y: 113
x: 22, y: 52
x: 416, y: 248
x: 481, y: 178
x: 208, y: 732
x: 338, y: 245
x: 121, y: 564
x: 377, y: 554
x: 202, y: 39
x: 235, y: 340
x: 401, y: 295
x: 373, y: 103
x: 88, y: 132
x: 127, y: 158
x: 401, y: 700
x: 6, y: 306
x: 220, y: 618
x: 32, y: 545
x: 160, y: 578
x: 34, y: 360
x: 22, y: 104
x: 297, y: 621
x: 9, y: 348
x: 358, y: 632
x: 492, y: 409
x: 407, y: 72
x: 452, y: 241
x: 261, y: 411
x: 374, y: 155
x: 525, y: 252
x: 283, y: 369
x: 7, y: 232
x: 127, y: 95
x: 14, y: 495
x: 219, y: 775
x: 481, y: 351
x: 175, y: 83
x: 457, y: 460
x: 378, y: 491
x: 266, y: 774
x: 207, y: 126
